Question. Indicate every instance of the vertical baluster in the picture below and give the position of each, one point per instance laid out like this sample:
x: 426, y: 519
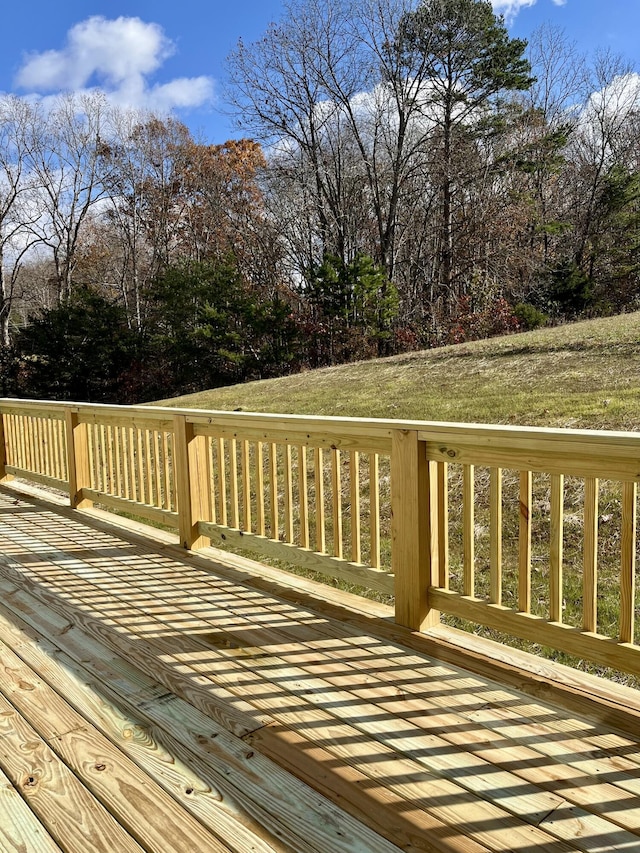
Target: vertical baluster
x: 168, y: 503
x: 628, y: 562
x: 117, y: 449
x: 524, y: 542
x: 233, y: 482
x: 374, y: 509
x: 24, y: 441
x: 468, y: 529
x: 157, y: 468
x: 171, y: 447
x: 6, y: 445
x: 273, y: 489
x: 33, y: 447
x: 288, y: 494
x: 590, y: 556
x: 46, y: 432
x: 336, y: 494
x: 140, y: 478
x: 555, y: 555
x: 495, y: 537
x: 261, y: 528
x: 442, y: 479
x: 321, y: 543
x: 126, y: 461
x: 246, y: 485
x: 222, y: 481
x: 92, y: 456
x: 110, y: 460
x: 303, y: 491
x: 133, y: 464
x: 354, y: 482
x: 57, y: 454
x: 147, y: 438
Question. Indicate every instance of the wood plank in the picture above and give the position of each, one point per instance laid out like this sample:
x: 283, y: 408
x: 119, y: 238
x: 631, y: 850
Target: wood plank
x: 454, y: 813
x: 69, y: 813
x: 310, y: 683
x: 20, y: 829
x: 299, y: 813
x: 404, y: 822
x: 303, y: 689
x: 209, y: 793
x: 594, y: 647
x: 139, y: 805
x: 335, y: 567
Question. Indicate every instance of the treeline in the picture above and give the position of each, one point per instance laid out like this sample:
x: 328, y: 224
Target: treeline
x: 420, y: 178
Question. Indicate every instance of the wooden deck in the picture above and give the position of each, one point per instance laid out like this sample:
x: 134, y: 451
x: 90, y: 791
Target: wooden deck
x: 159, y: 701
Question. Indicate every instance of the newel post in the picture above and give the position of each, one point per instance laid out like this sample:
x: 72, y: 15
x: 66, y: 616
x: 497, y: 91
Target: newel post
x: 413, y: 530
x: 193, y: 482
x: 77, y: 460
x: 4, y: 477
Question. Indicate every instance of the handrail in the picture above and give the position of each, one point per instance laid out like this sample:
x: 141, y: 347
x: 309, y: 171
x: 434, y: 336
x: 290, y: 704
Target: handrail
x: 510, y: 527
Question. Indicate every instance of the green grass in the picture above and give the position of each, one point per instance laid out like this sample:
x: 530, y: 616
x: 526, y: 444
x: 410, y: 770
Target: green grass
x: 584, y: 375
x: 581, y: 375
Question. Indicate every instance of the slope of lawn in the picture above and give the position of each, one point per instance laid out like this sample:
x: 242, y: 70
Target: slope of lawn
x: 585, y: 375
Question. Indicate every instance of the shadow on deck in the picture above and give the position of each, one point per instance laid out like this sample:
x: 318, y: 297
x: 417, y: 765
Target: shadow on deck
x: 156, y: 700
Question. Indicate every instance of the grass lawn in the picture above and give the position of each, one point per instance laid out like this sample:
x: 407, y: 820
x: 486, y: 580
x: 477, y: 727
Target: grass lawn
x: 584, y: 375
x: 581, y: 375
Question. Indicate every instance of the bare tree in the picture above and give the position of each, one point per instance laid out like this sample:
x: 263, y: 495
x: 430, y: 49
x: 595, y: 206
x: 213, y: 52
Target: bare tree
x: 64, y: 160
x: 16, y: 214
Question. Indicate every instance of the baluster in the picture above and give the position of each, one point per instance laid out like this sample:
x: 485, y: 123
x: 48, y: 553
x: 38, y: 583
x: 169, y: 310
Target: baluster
x: 555, y: 556
x: 354, y: 471
x: 374, y: 509
x: 303, y: 492
x: 321, y: 543
x: 495, y: 536
x: 628, y: 562
x: 590, y: 556
x: 468, y: 529
x: 524, y: 543
x: 336, y: 493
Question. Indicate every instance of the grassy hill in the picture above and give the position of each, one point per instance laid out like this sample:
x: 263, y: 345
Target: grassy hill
x: 581, y: 375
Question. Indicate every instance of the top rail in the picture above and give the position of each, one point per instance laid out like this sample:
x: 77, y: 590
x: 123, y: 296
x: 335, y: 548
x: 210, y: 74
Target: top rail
x: 522, y: 529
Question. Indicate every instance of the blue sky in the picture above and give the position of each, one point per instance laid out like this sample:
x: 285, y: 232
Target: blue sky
x: 170, y: 55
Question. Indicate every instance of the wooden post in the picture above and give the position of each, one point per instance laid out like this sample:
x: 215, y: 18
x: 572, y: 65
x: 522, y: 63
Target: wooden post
x: 78, y: 462
x: 414, y: 545
x: 193, y: 481
x: 4, y: 477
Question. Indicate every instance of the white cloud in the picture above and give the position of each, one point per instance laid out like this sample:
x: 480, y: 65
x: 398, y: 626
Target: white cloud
x: 117, y: 56
x: 510, y: 8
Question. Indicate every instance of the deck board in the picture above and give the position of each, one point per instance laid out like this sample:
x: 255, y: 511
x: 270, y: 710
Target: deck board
x: 306, y: 734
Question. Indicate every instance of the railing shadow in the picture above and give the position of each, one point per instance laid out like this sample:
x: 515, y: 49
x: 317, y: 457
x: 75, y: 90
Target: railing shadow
x: 245, y: 658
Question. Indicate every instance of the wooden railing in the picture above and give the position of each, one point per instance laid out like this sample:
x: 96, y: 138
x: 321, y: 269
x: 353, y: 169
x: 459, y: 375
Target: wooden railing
x: 528, y: 531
